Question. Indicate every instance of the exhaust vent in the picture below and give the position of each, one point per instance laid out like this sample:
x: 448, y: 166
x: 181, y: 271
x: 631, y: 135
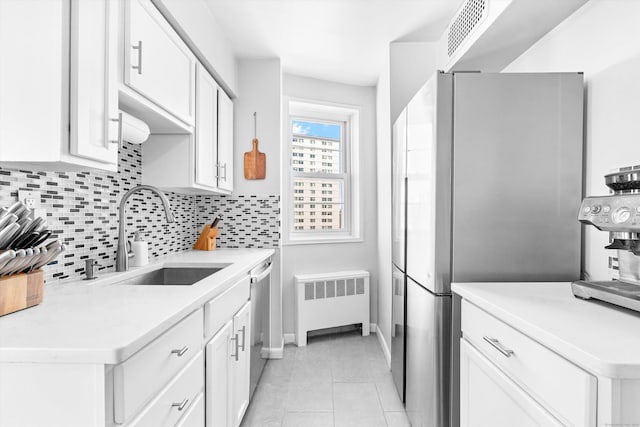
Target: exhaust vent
x: 469, y: 17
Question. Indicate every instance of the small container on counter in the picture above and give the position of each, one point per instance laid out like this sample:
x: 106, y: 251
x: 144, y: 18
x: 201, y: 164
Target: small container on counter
x: 140, y: 251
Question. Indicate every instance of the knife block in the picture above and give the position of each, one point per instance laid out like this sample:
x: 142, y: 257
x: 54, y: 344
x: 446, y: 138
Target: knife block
x: 20, y: 291
x: 207, y: 239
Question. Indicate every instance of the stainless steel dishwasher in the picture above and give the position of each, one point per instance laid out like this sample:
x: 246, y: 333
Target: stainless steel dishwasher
x: 260, y: 317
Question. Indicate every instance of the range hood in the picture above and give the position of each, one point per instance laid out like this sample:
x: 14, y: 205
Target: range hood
x: 487, y: 35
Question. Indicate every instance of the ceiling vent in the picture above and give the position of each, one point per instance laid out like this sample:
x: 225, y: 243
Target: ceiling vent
x: 487, y: 35
x: 467, y: 20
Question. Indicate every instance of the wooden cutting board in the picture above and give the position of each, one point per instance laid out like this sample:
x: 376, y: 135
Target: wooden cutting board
x: 255, y: 162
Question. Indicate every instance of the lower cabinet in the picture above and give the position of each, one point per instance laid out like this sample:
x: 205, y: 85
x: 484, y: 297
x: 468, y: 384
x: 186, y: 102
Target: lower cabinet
x: 489, y: 398
x: 176, y: 399
x: 227, y: 371
x: 241, y: 355
x: 178, y: 379
x: 510, y: 379
x: 219, y: 377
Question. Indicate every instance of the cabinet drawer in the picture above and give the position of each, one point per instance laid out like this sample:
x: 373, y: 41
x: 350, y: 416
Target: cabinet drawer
x: 219, y: 310
x: 141, y: 376
x: 177, y: 399
x: 561, y: 387
x: 195, y: 415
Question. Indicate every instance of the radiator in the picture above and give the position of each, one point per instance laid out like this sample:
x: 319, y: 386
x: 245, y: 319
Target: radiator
x: 329, y: 300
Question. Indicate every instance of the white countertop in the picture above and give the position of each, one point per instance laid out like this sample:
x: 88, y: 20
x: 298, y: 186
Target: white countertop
x: 104, y: 323
x: 599, y: 337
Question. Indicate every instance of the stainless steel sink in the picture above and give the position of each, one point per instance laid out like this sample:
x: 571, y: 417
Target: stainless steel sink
x: 180, y: 276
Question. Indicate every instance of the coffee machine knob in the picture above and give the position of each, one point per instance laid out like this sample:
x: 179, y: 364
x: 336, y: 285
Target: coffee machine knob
x: 621, y: 215
x: 596, y: 209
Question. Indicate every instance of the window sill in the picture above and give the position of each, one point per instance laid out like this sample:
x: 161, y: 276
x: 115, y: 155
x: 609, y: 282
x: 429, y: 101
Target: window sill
x: 323, y: 240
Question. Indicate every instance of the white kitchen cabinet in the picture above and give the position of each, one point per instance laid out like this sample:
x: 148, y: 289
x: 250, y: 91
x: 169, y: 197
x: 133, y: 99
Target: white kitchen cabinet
x: 58, y: 84
x: 219, y: 366
x: 227, y: 369
x: 132, y: 356
x: 225, y: 141
x: 206, y: 134
x: 157, y: 63
x: 490, y: 398
x: 240, y: 369
x: 201, y: 162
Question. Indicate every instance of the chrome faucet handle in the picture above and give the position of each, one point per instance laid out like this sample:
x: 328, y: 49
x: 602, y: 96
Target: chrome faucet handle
x: 89, y: 269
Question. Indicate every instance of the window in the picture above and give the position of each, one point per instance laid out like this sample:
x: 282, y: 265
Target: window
x: 330, y: 133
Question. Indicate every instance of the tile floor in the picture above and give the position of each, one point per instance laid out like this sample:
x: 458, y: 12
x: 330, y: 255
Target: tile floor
x: 338, y: 380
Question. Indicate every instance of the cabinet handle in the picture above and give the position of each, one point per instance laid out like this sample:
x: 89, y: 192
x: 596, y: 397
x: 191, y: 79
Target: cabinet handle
x: 180, y: 352
x: 138, y: 47
x: 224, y: 166
x: 498, y: 346
x: 119, y: 140
x: 235, y: 338
x: 217, y: 165
x: 243, y: 336
x: 180, y: 405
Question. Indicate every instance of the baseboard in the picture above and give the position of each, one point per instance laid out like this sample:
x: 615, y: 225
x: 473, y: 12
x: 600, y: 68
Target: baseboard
x: 385, y: 348
x: 272, y: 352
x: 289, y: 338
x: 373, y: 328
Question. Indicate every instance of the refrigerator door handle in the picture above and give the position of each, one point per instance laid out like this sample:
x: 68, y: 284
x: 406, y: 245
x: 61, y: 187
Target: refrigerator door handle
x: 498, y: 346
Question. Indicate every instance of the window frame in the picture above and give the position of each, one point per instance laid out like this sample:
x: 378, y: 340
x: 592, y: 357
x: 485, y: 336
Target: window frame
x: 322, y: 112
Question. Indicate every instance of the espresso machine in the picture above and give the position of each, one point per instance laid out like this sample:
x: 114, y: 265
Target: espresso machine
x: 619, y: 214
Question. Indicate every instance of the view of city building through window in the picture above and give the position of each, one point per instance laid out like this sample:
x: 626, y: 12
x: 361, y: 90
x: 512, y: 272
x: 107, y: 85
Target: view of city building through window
x: 318, y: 175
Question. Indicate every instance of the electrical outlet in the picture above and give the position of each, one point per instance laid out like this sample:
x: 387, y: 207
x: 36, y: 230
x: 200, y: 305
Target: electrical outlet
x: 31, y: 199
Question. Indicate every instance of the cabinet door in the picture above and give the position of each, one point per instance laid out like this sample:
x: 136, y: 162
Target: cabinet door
x: 241, y: 365
x: 206, y: 137
x: 225, y: 141
x: 158, y: 64
x: 94, y: 91
x: 218, y: 368
x: 489, y: 398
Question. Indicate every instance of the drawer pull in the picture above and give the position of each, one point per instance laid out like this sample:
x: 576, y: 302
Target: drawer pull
x: 180, y: 352
x: 498, y: 346
x: 244, y: 328
x: 180, y: 405
x: 235, y: 338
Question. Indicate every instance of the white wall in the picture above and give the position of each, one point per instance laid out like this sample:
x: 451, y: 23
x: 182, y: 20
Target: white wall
x: 601, y: 39
x: 259, y: 91
x: 318, y: 258
x: 204, y: 36
x: 412, y: 63
x: 383, y: 150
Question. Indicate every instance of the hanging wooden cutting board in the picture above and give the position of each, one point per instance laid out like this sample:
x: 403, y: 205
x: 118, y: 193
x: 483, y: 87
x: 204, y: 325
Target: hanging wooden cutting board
x: 255, y: 162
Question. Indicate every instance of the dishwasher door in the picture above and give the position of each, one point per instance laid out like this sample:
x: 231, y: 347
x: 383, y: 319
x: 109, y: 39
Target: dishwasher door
x: 260, y: 318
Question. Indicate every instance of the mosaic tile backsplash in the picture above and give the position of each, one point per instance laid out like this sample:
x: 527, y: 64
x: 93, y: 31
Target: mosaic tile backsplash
x: 247, y: 221
x: 82, y: 211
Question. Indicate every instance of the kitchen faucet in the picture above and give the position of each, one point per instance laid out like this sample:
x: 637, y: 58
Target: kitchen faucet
x: 123, y: 254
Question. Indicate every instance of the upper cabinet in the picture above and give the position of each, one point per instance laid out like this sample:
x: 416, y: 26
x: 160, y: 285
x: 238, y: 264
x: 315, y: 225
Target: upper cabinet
x: 201, y: 162
x: 225, y: 141
x: 206, y: 135
x: 157, y: 63
x: 58, y: 85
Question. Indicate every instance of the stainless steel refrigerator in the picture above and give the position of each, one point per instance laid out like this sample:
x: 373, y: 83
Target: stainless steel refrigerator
x: 487, y: 178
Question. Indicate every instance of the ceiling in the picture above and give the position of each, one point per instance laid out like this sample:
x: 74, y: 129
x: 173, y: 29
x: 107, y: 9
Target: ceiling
x: 336, y: 40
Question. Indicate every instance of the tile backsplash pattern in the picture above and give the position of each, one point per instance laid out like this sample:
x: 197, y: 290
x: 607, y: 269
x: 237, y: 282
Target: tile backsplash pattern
x: 247, y: 221
x: 82, y: 211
